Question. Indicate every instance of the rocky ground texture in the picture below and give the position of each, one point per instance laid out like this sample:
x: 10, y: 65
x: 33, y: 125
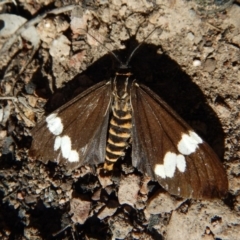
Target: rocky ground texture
x: 192, y: 61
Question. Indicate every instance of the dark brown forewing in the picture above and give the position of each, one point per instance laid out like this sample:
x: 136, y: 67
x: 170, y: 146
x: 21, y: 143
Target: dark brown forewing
x: 157, y: 129
x: 85, y: 122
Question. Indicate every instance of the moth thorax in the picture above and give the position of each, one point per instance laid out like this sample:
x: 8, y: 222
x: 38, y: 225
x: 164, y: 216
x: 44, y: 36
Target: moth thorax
x: 120, y: 129
x: 121, y: 86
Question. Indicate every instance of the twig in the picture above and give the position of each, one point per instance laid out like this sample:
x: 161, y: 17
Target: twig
x: 9, y: 98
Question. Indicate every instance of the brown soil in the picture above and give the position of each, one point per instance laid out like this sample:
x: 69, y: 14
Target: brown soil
x: 192, y: 61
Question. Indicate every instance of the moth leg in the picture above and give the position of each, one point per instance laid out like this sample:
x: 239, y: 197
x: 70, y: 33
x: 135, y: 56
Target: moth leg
x: 129, y: 143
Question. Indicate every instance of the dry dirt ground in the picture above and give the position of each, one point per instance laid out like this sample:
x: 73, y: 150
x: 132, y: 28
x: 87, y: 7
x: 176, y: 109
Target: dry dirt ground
x: 192, y: 61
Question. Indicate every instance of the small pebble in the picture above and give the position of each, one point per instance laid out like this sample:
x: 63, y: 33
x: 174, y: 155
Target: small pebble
x: 190, y: 36
x: 80, y: 210
x: 128, y: 189
x: 209, y: 65
x: 196, y: 63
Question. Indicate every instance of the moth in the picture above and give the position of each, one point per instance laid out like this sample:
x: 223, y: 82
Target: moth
x: 98, y: 125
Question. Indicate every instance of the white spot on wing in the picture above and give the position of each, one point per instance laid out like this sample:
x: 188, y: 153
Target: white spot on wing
x: 50, y: 117
x: 169, y: 161
x: 73, y: 157
x: 54, y: 124
x: 159, y: 170
x: 181, y: 163
x: 195, y: 136
x: 57, y: 143
x: 66, y: 146
x: 189, y: 143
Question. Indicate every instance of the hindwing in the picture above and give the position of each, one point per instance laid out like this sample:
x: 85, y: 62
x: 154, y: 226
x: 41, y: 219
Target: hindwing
x: 169, y: 150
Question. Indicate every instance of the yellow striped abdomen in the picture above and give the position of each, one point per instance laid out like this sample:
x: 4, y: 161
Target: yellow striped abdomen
x: 120, y: 129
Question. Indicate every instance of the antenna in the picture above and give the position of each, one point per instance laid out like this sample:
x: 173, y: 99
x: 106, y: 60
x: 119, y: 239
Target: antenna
x: 114, y: 55
x: 140, y: 44
x: 110, y: 51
